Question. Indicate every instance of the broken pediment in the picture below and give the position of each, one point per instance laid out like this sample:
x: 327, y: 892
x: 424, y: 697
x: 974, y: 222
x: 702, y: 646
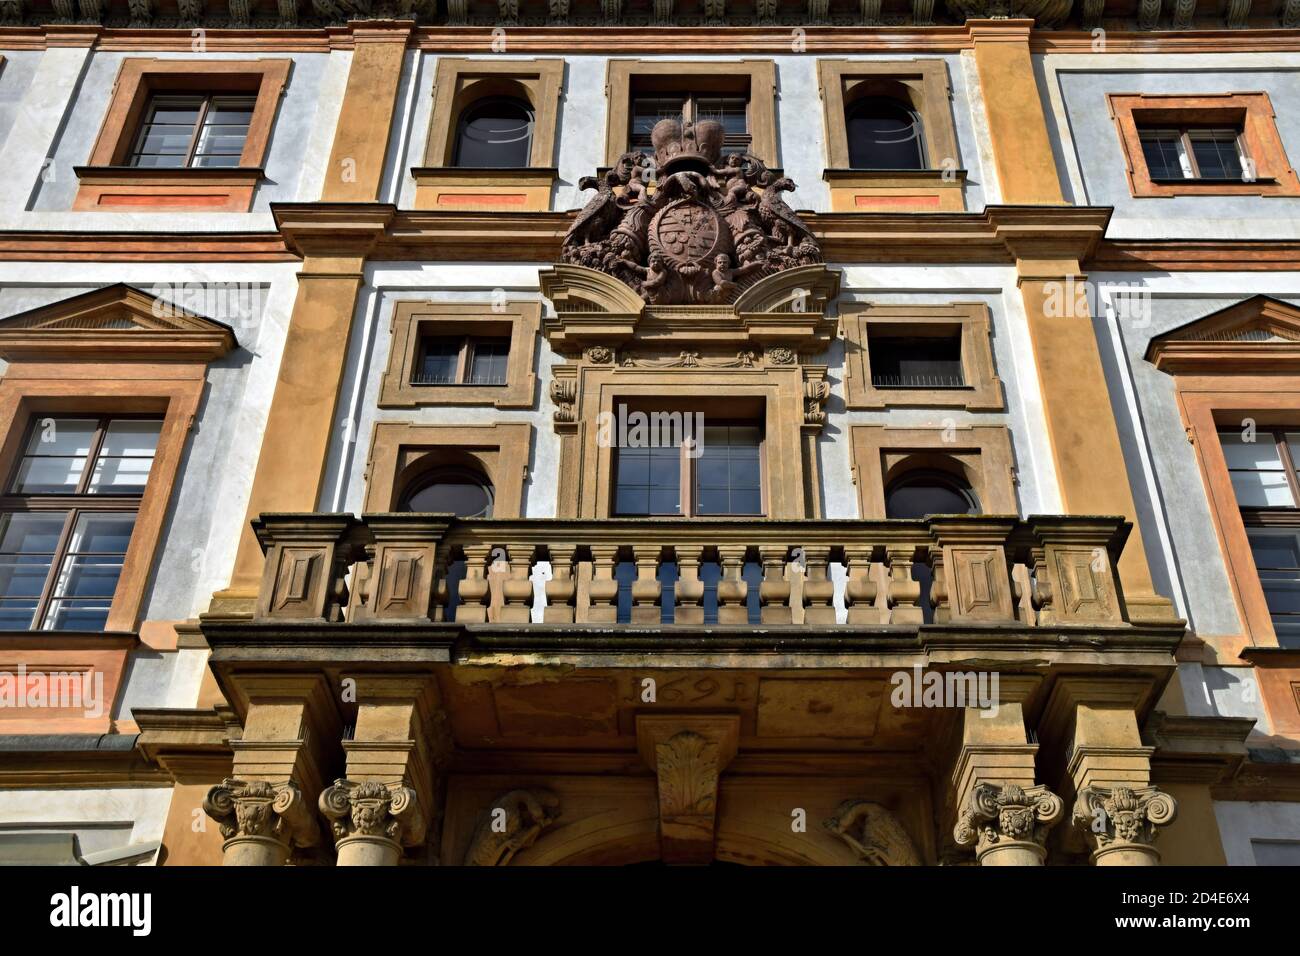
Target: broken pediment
x: 1259, y: 334
x: 689, y: 226
x: 115, y: 322
x: 785, y: 309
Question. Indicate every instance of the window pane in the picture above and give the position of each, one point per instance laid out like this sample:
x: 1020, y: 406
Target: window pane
x: 495, y: 133
x: 438, y: 360
x: 488, y: 366
x: 649, y: 110
x: 1162, y: 149
x: 923, y: 495
x: 55, y: 457
x: 462, y: 497
x: 125, y: 458
x: 727, y: 473
x: 648, y: 481
x: 1261, y: 453
x: 27, y: 545
x: 1261, y: 489
x: 1277, y: 558
x: 727, y: 110
x: 883, y: 135
x: 1216, y: 153
x: 84, y: 585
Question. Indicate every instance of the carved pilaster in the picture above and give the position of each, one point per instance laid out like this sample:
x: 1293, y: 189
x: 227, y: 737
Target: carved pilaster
x: 261, y: 821
x: 512, y: 823
x: 1148, y: 14
x: 1236, y: 13
x: 873, y: 833
x: 1181, y: 13
x: 1122, y: 823
x: 372, y: 821
x: 1008, y: 824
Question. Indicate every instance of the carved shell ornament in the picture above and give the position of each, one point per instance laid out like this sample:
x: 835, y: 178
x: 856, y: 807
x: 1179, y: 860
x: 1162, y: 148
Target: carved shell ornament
x: 707, y: 229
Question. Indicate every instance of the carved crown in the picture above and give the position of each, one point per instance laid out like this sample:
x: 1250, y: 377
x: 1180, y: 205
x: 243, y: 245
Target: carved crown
x: 679, y: 146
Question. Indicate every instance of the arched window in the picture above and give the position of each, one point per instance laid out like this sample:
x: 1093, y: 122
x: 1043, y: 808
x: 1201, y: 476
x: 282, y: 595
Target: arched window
x: 884, y: 134
x: 916, y: 494
x: 495, y: 133
x: 457, y: 491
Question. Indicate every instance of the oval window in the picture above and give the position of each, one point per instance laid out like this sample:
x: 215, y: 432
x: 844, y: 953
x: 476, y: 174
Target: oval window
x: 461, y: 493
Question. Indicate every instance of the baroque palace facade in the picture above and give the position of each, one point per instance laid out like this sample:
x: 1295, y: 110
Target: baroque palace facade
x: 760, y: 433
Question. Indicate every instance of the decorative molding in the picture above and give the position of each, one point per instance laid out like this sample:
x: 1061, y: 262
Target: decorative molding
x: 256, y: 808
x: 1258, y: 335
x: 873, y: 833
x: 1007, y: 815
x: 688, y: 754
x: 512, y: 823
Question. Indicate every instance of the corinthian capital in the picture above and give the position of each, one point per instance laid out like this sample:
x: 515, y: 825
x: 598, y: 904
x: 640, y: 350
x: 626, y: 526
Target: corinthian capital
x: 256, y: 808
x: 1122, y: 818
x: 1006, y: 816
x: 373, y: 809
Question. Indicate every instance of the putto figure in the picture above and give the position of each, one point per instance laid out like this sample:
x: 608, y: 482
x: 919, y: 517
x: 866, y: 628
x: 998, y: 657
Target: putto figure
x: 708, y: 228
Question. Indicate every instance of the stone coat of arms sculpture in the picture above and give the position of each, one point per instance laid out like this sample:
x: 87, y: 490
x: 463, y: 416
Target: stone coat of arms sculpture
x: 709, y: 228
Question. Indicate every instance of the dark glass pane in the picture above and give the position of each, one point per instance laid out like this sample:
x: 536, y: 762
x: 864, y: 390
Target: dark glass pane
x: 78, y: 614
x: 1160, y: 148
x: 728, y: 478
x: 648, y: 481
x: 461, y: 497
x: 438, y: 361
x: 1216, y: 153
x: 727, y: 110
x: 649, y: 110
x: 495, y: 133
x: 488, y: 365
x: 920, y: 362
x: 883, y: 135
x: 55, y: 456
x: 916, y: 497
x: 1274, y: 549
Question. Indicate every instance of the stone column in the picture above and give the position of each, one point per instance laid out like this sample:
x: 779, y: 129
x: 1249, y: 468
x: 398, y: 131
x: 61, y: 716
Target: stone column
x: 264, y: 808
x: 385, y: 802
x: 1001, y: 812
x: 1092, y: 723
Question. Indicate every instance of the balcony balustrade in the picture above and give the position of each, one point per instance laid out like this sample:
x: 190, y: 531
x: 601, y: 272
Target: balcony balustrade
x: 673, y: 573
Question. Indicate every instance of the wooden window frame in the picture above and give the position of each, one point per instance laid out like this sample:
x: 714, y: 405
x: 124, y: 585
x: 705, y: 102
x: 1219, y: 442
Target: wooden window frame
x: 519, y: 322
x: 983, y: 389
x: 1252, y: 112
x: 459, y: 82
x: 76, y: 503
x: 980, y: 454
x: 690, y: 113
x: 688, y: 478
x: 400, y: 452
x: 466, y: 352
x: 755, y: 79
x: 205, y: 106
x: 106, y: 183
x: 923, y: 86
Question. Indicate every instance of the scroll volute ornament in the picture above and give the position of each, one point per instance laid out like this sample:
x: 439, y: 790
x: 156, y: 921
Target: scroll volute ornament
x: 1007, y: 815
x: 257, y: 808
x: 1123, y: 818
x: 373, y: 809
x: 708, y: 229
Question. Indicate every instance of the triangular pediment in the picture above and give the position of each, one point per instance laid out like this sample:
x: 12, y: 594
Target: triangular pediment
x: 1257, y: 334
x: 117, y: 321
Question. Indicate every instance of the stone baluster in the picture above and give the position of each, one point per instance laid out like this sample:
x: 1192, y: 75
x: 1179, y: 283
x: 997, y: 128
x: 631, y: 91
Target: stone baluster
x: 646, y: 588
x: 860, y: 591
x: 904, y: 592
x: 517, y: 589
x: 939, y: 586
x: 818, y: 588
x: 774, y: 592
x: 473, y: 607
x: 1041, y: 595
x: 690, y: 587
x: 732, y: 587
x: 562, y: 587
x: 441, y: 586
x: 604, y: 585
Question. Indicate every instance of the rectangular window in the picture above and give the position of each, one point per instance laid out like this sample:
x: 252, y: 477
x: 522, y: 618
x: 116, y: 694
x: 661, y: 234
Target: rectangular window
x: 916, y: 361
x: 181, y: 131
x: 458, y: 360
x: 1211, y: 153
x: 66, y: 519
x: 1267, y: 488
x: 731, y: 111
x: 721, y: 476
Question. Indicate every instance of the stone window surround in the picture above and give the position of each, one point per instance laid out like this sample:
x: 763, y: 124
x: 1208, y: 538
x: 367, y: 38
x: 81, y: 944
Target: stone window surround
x: 216, y: 189
x: 981, y: 455
x: 519, y: 320
x: 460, y: 81
x: 398, y: 451
x: 984, y: 389
x: 789, y: 478
x: 756, y: 78
x: 1254, y: 110
x: 922, y: 84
